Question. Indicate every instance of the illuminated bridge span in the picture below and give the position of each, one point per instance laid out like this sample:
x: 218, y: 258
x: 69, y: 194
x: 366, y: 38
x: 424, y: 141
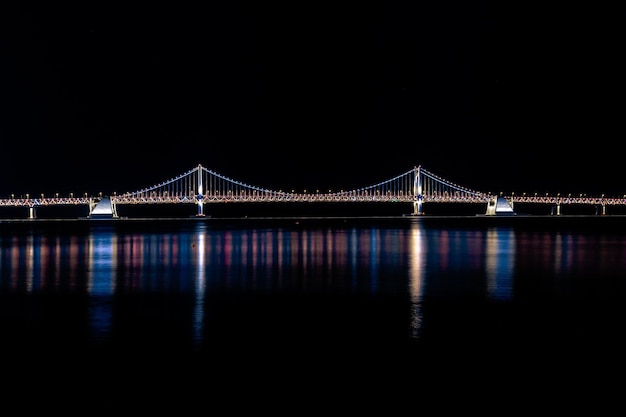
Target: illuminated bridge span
x: 200, y: 186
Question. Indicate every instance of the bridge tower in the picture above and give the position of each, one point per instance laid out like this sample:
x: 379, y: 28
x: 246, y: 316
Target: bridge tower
x: 417, y: 192
x: 199, y: 196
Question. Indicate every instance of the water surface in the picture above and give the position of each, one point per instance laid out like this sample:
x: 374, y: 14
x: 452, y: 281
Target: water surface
x: 379, y: 294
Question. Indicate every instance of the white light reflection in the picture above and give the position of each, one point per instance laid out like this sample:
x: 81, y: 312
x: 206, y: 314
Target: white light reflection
x: 499, y: 263
x: 417, y: 258
x: 198, y: 324
x: 102, y: 264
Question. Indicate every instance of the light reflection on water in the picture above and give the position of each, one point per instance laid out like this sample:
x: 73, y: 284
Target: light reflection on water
x: 500, y: 263
x: 403, y: 261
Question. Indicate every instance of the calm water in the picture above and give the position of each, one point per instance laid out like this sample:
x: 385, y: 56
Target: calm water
x: 401, y: 295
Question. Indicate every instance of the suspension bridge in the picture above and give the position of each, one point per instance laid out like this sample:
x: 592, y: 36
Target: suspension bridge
x: 201, y: 186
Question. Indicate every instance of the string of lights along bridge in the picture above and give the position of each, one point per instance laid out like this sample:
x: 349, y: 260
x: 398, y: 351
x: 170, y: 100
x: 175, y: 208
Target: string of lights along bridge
x: 200, y: 186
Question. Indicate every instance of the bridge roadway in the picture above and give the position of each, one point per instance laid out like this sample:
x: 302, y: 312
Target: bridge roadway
x: 91, y: 201
x: 307, y: 198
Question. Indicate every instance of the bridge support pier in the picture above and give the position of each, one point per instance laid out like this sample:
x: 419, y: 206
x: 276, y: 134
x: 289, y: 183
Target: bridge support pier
x: 417, y: 207
x: 102, y: 209
x: 499, y: 206
x: 31, y: 213
x: 200, y: 209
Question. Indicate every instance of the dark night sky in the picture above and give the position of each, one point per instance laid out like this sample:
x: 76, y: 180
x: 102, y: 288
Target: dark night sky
x: 303, y: 95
